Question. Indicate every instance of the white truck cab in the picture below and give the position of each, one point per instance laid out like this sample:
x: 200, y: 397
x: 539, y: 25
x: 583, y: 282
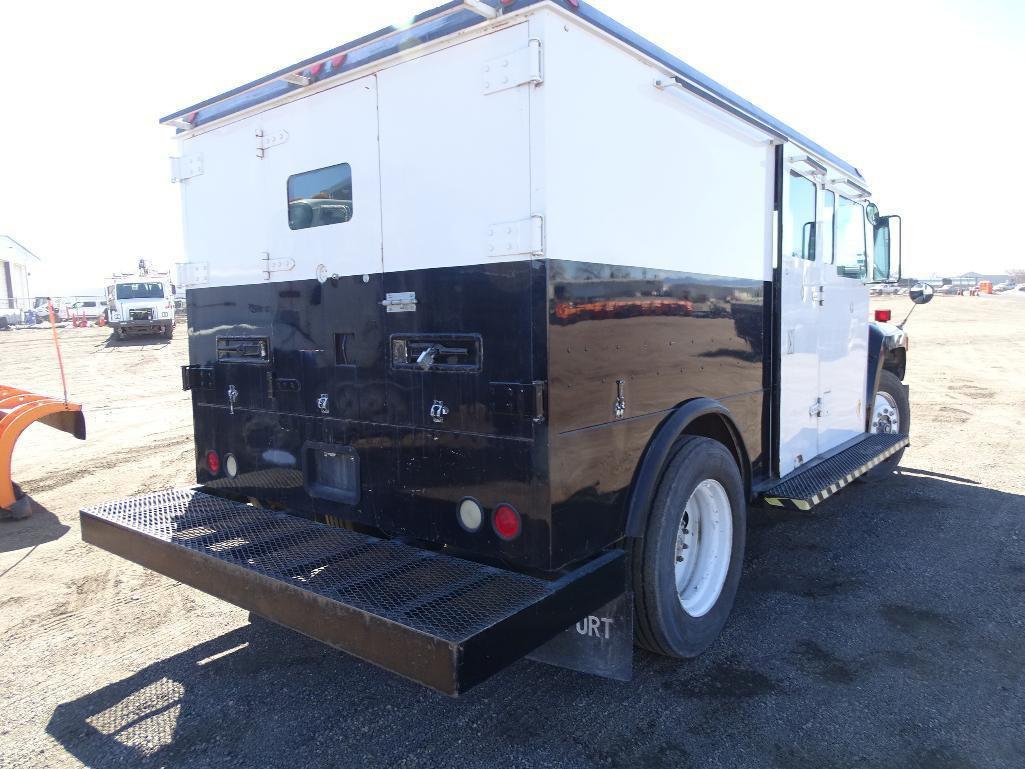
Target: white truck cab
x: 141, y: 304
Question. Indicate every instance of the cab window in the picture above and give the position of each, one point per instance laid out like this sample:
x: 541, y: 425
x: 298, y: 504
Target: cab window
x: 801, y: 194
x: 140, y: 291
x: 850, y: 248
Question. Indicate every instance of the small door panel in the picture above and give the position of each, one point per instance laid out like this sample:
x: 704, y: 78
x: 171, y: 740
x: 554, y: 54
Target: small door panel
x: 843, y: 321
x: 799, y: 331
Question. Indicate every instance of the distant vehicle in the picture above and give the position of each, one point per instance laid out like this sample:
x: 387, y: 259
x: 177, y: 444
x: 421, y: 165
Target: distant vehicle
x: 141, y: 304
x: 1005, y: 286
x: 90, y: 309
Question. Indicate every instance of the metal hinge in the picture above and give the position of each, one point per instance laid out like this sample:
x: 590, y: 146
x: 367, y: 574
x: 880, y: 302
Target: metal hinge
x: 265, y: 141
x: 515, y: 69
x: 403, y: 301
x: 816, y: 408
x: 197, y: 377
x: 186, y: 167
x: 818, y: 295
x: 514, y: 398
x: 275, y: 265
x: 192, y: 273
x: 526, y: 236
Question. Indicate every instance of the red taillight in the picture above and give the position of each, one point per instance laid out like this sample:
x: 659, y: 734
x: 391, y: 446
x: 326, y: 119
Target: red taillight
x: 883, y: 316
x: 213, y: 462
x: 506, y: 522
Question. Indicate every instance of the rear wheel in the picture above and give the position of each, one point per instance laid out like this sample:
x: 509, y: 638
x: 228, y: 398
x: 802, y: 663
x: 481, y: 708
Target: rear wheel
x: 891, y: 413
x: 687, y: 567
x: 169, y: 332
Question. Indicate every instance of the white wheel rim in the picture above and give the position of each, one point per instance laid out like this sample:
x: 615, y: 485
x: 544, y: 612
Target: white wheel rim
x: 885, y: 415
x: 704, y: 544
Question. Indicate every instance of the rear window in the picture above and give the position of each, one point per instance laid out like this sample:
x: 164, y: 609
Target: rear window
x: 320, y: 197
x: 140, y: 291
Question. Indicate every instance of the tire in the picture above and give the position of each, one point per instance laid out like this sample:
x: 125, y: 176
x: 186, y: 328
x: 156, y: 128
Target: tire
x: 662, y: 623
x: 168, y: 332
x: 890, y: 386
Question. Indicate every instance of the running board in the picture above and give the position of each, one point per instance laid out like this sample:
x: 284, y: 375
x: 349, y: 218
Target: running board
x: 806, y: 487
x: 441, y: 621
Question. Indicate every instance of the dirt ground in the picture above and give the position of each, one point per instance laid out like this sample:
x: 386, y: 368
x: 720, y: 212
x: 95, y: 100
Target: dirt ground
x: 886, y: 629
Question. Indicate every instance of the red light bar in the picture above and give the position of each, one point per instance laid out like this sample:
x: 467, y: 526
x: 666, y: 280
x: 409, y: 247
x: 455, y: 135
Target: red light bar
x: 883, y: 316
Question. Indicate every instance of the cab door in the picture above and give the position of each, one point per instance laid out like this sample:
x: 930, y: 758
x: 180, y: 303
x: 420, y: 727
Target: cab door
x: 843, y: 318
x: 800, y: 295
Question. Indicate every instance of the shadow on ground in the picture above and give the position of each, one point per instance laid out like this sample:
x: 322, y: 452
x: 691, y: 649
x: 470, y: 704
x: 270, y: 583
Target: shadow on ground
x: 883, y: 630
x: 40, y: 527
x: 141, y: 340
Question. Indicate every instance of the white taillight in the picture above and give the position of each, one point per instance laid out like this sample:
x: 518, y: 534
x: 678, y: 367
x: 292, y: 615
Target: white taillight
x: 470, y: 514
x: 230, y: 465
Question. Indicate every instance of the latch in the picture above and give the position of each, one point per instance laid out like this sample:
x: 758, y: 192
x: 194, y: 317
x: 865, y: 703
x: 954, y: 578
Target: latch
x: 816, y: 408
x: 817, y: 295
x: 515, y: 69
x: 232, y: 398
x: 516, y: 399
x: 439, y: 411
x: 264, y: 141
x: 525, y: 236
x: 402, y: 301
x: 186, y: 167
x: 619, y: 408
x: 275, y: 265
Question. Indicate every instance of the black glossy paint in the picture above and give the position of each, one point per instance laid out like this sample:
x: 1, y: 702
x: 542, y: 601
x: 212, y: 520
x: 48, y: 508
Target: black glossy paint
x: 530, y: 416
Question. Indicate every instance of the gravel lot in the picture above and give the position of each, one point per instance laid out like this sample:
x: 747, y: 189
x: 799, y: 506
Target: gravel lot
x: 887, y: 629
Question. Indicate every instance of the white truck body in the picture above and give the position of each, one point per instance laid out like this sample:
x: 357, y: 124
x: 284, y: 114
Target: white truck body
x: 539, y: 137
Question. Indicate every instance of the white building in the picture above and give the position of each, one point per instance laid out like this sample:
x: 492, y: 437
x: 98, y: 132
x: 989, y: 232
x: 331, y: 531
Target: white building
x: 16, y: 262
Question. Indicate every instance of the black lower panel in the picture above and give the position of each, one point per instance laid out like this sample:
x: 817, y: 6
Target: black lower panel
x: 441, y: 621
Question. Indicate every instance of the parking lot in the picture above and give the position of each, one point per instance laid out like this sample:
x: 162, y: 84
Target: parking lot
x: 885, y: 629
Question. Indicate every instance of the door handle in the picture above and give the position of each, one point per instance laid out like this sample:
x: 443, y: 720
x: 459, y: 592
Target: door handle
x: 818, y: 295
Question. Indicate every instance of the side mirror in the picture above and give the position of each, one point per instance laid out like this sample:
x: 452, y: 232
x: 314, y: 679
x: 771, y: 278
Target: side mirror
x: 886, y: 261
x: 921, y: 293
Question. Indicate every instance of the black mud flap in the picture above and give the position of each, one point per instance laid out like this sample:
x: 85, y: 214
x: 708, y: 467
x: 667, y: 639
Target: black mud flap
x: 444, y: 622
x: 601, y: 644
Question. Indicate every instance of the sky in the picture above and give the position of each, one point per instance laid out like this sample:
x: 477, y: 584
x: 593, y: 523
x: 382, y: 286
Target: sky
x: 923, y: 97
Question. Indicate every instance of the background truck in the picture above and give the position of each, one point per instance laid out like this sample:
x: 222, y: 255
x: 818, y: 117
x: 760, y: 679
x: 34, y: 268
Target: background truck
x: 498, y: 323
x: 141, y: 304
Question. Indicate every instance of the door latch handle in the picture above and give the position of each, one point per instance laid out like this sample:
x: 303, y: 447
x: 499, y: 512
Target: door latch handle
x: 232, y: 397
x: 817, y: 295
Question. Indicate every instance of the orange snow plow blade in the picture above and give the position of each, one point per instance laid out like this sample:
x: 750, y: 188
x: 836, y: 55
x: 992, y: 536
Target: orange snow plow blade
x: 19, y: 409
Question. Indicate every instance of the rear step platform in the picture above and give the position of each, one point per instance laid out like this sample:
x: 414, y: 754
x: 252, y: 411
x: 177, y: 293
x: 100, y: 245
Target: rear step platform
x: 441, y: 621
x: 806, y: 487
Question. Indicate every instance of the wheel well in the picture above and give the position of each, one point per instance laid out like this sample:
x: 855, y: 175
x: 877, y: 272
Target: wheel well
x: 702, y: 417
x: 896, y: 360
x: 718, y: 428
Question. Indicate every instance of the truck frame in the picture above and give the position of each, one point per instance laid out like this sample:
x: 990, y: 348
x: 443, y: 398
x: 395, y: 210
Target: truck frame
x: 498, y: 323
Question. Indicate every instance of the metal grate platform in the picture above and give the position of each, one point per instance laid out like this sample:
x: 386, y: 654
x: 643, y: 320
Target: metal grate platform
x: 806, y: 487
x: 442, y: 621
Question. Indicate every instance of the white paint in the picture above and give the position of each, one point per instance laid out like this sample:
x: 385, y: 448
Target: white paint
x: 236, y: 212
x: 454, y: 159
x: 640, y: 176
x: 824, y: 329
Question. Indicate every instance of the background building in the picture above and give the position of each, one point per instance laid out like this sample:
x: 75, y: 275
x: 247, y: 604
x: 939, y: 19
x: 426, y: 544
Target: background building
x: 16, y: 264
